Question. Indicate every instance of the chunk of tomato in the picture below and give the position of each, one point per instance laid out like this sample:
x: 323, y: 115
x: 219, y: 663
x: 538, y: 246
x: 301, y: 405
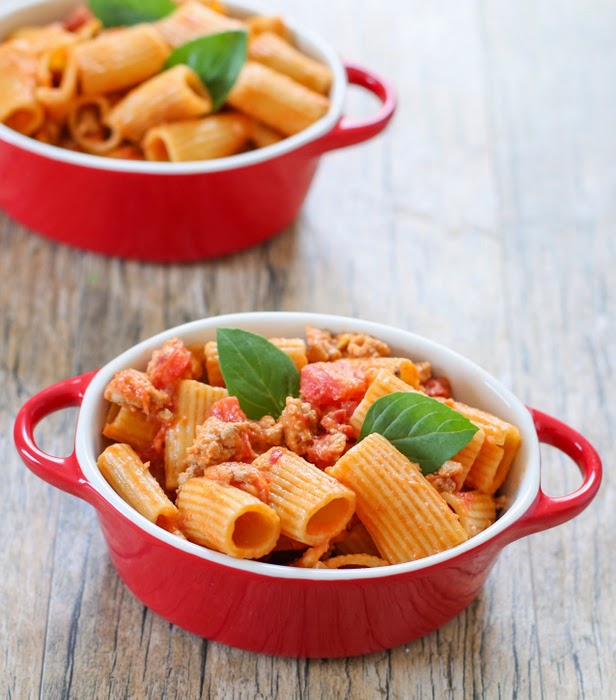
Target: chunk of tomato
x: 330, y: 383
x: 228, y: 409
x: 169, y: 364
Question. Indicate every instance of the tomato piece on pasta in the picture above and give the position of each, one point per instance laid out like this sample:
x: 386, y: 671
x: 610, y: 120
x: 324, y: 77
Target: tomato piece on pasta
x: 329, y: 383
x: 169, y: 364
x: 228, y: 409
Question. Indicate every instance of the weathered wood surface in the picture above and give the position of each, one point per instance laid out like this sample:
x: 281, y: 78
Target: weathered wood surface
x: 483, y: 219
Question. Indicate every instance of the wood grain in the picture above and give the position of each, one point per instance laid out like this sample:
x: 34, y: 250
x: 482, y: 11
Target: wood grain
x: 484, y: 219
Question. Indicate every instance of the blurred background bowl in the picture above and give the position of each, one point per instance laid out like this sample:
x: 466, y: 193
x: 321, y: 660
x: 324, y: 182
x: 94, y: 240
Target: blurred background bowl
x: 175, y: 211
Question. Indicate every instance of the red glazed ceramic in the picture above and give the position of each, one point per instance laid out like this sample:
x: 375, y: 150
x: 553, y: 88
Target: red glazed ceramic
x: 175, y: 211
x: 298, y: 612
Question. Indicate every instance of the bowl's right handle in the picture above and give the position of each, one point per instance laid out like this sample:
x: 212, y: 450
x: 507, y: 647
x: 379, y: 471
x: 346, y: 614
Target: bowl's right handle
x: 349, y: 132
x: 548, y: 512
x: 62, y: 472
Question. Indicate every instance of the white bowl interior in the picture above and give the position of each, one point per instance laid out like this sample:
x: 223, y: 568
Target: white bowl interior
x: 19, y: 13
x: 471, y: 385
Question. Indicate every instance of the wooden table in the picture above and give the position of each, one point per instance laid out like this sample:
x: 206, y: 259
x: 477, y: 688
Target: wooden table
x: 484, y: 219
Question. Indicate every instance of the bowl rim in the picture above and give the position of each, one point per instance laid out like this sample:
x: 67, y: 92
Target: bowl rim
x: 312, y: 42
x: 93, y: 409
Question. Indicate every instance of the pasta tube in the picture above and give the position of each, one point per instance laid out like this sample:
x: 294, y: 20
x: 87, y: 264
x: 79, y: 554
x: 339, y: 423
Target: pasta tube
x: 476, y: 510
x: 467, y: 455
x: 313, y: 507
x: 400, y: 367
x: 87, y: 125
x: 216, y: 136
x: 497, y: 453
x: 19, y: 108
x: 193, y: 401
x: 192, y: 20
x: 483, y: 470
x: 131, y: 479
x: 262, y: 135
x: 276, y: 100
x: 38, y: 39
x: 268, y: 23
x: 174, y: 95
x: 271, y: 50
x: 130, y: 426
x: 226, y: 519
x: 58, y: 70
x: 383, y: 384
x: 403, y: 513
x: 119, y: 59
x: 295, y: 348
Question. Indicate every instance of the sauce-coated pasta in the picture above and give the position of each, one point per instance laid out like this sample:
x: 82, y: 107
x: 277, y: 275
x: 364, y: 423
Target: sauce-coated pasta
x: 111, y: 91
x: 303, y: 488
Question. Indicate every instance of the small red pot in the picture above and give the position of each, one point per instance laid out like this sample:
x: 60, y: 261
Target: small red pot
x: 175, y: 211
x: 297, y: 612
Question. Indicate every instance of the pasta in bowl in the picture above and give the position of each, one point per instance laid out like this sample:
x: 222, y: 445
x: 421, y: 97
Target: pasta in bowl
x: 192, y: 135
x: 293, y: 603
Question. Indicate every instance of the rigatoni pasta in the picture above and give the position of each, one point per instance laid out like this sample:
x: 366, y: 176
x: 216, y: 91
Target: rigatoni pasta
x: 131, y: 479
x: 119, y: 92
x: 312, y: 506
x: 193, y: 401
x: 216, y: 136
x: 272, y: 50
x: 19, y: 107
x: 57, y: 78
x: 120, y: 59
x: 174, y: 95
x: 300, y: 485
x: 276, y: 100
x: 405, y: 516
x: 226, y: 519
x: 192, y: 20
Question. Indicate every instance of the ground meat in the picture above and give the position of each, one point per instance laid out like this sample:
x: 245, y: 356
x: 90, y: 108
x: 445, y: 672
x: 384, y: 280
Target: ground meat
x: 425, y: 370
x: 299, y: 422
x: 327, y: 449
x: 337, y: 420
x: 216, y: 442
x: 133, y: 389
x: 266, y: 433
x: 362, y: 345
x: 242, y: 476
x: 169, y: 364
x: 321, y: 345
x: 438, y: 386
x: 219, y: 441
x: 448, y: 478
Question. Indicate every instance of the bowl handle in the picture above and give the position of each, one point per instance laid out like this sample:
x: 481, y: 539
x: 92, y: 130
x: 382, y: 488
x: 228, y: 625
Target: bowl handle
x: 348, y: 132
x: 62, y: 472
x: 547, y: 512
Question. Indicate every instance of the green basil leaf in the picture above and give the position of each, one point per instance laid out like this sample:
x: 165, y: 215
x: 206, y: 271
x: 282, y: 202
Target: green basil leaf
x: 217, y: 59
x: 256, y: 371
x: 425, y: 430
x: 124, y: 13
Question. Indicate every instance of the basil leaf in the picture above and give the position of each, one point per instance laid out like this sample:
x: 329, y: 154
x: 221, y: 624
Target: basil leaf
x: 425, y: 430
x: 256, y: 371
x: 217, y: 59
x: 123, y: 13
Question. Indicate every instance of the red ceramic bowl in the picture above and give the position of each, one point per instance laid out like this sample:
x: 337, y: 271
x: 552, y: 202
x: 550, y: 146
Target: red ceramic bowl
x: 298, y: 612
x: 175, y: 211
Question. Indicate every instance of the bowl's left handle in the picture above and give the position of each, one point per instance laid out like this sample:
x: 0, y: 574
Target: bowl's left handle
x: 548, y: 511
x: 349, y: 132
x: 62, y: 472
